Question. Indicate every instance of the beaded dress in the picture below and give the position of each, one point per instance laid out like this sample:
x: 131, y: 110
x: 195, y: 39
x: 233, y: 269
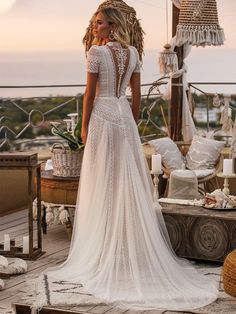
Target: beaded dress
x: 120, y: 251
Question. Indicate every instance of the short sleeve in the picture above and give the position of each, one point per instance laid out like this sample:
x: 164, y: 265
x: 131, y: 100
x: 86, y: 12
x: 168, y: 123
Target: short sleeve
x: 138, y: 63
x: 93, y: 59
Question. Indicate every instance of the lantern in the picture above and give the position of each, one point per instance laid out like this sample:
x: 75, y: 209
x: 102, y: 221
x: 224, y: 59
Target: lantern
x: 168, y: 60
x: 198, y: 24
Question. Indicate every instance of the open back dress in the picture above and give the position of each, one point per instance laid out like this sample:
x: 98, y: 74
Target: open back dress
x: 120, y: 251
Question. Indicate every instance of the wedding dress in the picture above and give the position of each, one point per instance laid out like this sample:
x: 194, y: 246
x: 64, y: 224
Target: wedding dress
x: 120, y: 251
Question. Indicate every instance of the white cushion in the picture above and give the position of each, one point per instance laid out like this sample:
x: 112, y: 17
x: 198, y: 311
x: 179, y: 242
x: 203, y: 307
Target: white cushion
x: 2, y: 284
x: 203, y: 153
x: 171, y: 156
x: 202, y: 173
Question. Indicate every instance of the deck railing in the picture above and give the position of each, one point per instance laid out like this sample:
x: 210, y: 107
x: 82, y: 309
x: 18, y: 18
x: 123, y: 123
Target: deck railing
x: 199, y: 87
x: 37, y: 114
x: 44, y: 109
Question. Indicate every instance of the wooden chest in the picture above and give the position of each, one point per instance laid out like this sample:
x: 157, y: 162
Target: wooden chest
x: 200, y: 233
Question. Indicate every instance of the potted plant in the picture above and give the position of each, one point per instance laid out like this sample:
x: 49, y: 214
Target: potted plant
x: 67, y: 160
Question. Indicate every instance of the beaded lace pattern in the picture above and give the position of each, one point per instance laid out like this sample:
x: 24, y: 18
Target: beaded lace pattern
x: 115, y: 66
x: 120, y: 58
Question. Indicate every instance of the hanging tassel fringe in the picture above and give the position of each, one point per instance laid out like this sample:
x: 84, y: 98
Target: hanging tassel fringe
x: 233, y: 143
x: 225, y: 120
x: 49, y: 215
x: 199, y: 35
x: 35, y: 208
x: 63, y: 215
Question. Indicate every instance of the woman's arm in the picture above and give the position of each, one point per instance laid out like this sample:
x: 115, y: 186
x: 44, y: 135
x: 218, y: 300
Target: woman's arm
x: 136, y: 94
x: 88, y: 100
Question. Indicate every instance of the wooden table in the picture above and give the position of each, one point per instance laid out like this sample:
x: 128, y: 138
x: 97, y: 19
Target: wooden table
x: 199, y: 233
x: 58, y: 190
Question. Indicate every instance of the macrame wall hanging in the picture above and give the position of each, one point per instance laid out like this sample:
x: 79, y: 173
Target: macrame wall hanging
x: 198, y: 24
x: 168, y: 60
x: 225, y: 119
x: 135, y: 30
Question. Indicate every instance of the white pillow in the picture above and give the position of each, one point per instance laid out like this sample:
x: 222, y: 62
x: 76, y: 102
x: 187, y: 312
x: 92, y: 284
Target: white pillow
x: 202, y: 173
x: 203, y: 153
x: 171, y: 156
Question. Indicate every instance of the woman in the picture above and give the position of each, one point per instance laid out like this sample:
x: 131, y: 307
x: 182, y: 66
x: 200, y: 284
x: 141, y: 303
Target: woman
x: 120, y: 251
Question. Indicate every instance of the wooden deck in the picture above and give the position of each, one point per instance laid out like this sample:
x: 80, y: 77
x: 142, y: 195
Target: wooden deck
x: 56, y: 244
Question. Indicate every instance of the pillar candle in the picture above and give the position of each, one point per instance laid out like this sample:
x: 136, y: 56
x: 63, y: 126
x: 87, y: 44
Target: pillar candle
x: 227, y: 166
x: 26, y: 245
x: 7, y: 242
x: 234, y: 165
x: 156, y: 163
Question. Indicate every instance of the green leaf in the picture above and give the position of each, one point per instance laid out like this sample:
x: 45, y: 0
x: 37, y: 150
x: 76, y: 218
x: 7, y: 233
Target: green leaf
x: 77, y: 131
x: 73, y: 143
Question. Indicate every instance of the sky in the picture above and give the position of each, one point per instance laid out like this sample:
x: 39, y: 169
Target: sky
x: 50, y: 32
x: 49, y: 25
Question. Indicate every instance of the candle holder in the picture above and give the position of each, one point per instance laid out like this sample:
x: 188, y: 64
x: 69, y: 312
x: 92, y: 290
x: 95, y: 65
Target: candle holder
x: 226, y: 177
x: 68, y: 124
x: 155, y: 191
x: 73, y: 117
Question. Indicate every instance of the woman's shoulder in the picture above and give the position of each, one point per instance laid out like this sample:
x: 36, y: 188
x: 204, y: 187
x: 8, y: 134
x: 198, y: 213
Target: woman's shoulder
x: 132, y: 47
x: 96, y: 50
x: 135, y: 51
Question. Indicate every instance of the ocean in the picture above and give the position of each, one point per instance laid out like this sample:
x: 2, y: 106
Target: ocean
x: 212, y: 64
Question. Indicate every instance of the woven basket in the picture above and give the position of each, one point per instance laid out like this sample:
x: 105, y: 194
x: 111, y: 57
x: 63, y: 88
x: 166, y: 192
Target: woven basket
x: 229, y: 274
x: 66, y: 163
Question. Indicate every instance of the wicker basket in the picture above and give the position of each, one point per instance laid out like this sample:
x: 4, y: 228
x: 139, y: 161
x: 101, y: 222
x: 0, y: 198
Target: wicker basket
x: 66, y: 163
x: 229, y: 274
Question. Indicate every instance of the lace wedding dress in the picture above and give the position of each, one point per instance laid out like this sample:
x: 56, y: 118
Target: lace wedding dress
x: 120, y: 251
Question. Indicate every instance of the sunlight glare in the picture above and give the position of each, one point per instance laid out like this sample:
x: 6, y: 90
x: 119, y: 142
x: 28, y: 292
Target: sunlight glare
x: 5, y: 5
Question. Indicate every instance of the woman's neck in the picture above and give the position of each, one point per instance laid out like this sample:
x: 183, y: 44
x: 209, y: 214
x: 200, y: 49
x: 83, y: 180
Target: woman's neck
x: 107, y: 40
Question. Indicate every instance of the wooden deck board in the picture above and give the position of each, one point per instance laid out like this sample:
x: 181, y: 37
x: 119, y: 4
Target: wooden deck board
x: 100, y: 309
x: 116, y: 311
x: 56, y: 244
x: 83, y: 309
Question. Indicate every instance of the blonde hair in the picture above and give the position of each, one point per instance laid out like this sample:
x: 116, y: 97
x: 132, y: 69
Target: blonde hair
x: 113, y: 16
